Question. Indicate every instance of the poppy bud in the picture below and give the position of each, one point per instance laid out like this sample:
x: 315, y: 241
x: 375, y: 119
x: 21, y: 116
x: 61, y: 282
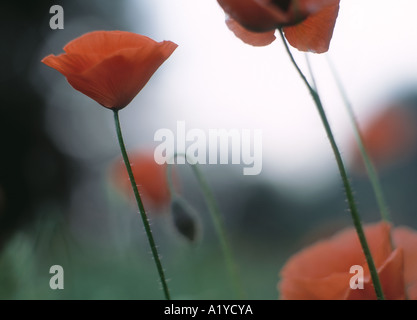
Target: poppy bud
x: 185, y: 218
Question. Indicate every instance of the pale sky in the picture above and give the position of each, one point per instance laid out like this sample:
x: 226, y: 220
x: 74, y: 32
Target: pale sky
x: 214, y: 81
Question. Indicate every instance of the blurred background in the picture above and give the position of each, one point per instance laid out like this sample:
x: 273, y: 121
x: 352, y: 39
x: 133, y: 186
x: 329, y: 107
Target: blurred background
x: 61, y: 202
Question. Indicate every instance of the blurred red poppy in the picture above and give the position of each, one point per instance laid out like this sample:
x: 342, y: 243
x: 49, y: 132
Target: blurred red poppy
x: 111, y: 67
x: 307, y: 24
x: 150, y: 178
x: 389, y: 137
x: 322, y: 271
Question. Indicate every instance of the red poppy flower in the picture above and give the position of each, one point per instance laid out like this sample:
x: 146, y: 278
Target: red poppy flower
x: 307, y: 24
x: 111, y: 67
x: 389, y: 136
x: 321, y: 271
x: 150, y: 178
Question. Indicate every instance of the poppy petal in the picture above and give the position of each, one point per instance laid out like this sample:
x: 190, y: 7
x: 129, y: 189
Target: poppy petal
x: 391, y: 275
x: 340, y: 252
x: 329, y: 262
x: 389, y: 137
x: 103, y: 43
x: 286, y: 12
x: 333, y: 287
x: 149, y: 176
x: 290, y: 12
x: 407, y: 239
x: 249, y: 14
x: 313, y: 6
x: 257, y: 39
x: 111, y: 67
x: 119, y: 78
x: 315, y: 32
x: 67, y: 64
x: 281, y: 11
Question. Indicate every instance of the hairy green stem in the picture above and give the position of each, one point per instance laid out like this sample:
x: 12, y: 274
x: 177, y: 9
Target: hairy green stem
x: 218, y: 224
x: 370, y: 168
x: 348, y: 189
x: 141, y: 208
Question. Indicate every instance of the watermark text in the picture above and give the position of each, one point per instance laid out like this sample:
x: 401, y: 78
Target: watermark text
x: 217, y: 146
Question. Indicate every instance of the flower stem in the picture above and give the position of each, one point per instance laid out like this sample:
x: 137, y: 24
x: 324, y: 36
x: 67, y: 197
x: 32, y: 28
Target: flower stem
x: 310, y: 70
x: 220, y: 229
x: 218, y: 224
x: 141, y: 208
x: 348, y: 189
x: 370, y: 168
